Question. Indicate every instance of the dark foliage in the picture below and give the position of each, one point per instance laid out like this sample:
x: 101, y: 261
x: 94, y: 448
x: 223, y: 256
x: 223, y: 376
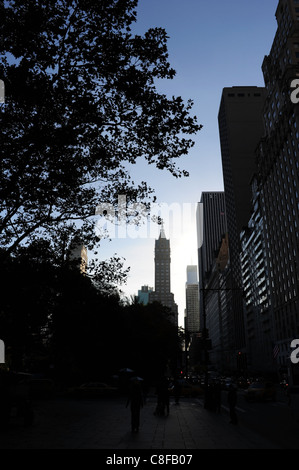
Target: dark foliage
x: 80, y: 106
x: 53, y: 315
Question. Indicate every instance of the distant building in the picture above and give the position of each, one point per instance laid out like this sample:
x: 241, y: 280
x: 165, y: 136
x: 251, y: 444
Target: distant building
x: 213, y: 230
x: 192, y: 308
x: 162, y: 292
x: 212, y: 258
x: 218, y: 308
x: 192, y: 274
x: 78, y: 256
x: 192, y: 301
x: 143, y: 294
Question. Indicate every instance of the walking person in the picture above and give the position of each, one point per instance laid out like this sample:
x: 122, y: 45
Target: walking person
x: 136, y: 400
x: 162, y: 398
x: 232, y: 401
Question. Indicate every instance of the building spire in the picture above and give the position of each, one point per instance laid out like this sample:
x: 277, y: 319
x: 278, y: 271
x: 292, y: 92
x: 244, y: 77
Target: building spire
x: 162, y: 231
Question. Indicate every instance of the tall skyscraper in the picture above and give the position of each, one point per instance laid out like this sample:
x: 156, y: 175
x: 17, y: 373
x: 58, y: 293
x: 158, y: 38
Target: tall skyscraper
x: 212, y: 205
x: 212, y: 230
x: 162, y: 292
x: 240, y: 128
x: 278, y: 178
x: 256, y: 287
x: 192, y: 300
x: 214, y: 226
x: 192, y: 274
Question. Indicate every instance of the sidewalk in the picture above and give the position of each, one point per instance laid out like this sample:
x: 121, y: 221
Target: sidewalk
x: 105, y: 424
x: 190, y: 426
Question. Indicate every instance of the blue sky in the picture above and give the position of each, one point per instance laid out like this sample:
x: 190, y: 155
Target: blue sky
x: 211, y: 45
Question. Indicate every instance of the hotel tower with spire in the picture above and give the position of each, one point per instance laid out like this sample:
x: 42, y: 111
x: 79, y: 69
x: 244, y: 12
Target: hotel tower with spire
x: 162, y: 292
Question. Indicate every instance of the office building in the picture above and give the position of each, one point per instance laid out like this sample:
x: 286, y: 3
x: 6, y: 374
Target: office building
x: 240, y: 129
x: 162, y: 292
x: 256, y: 285
x: 212, y: 236
x: 143, y: 294
x: 192, y: 301
x: 192, y: 274
x: 211, y: 215
x: 278, y: 178
x: 219, y: 312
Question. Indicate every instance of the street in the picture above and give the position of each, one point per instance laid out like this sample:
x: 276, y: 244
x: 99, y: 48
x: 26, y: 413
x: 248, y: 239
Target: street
x: 64, y: 423
x: 272, y: 420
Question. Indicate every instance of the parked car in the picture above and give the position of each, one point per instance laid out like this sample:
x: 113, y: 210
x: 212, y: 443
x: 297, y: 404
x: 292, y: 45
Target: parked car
x: 261, y: 391
x: 95, y: 389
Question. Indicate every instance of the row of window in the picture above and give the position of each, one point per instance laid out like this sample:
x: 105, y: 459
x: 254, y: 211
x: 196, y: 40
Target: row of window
x: 242, y: 95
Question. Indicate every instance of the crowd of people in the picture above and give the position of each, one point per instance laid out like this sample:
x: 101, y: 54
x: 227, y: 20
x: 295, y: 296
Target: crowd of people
x: 212, y: 399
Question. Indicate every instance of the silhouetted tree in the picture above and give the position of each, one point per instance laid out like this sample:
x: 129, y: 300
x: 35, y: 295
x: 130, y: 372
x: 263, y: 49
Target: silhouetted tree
x: 81, y: 104
x: 149, y: 340
x: 83, y: 329
x: 51, y: 310
x: 52, y: 314
x: 28, y: 295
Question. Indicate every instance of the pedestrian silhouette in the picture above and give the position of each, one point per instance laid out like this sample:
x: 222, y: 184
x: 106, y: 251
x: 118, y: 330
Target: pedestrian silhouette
x: 136, y: 400
x: 232, y: 401
x: 162, y: 408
